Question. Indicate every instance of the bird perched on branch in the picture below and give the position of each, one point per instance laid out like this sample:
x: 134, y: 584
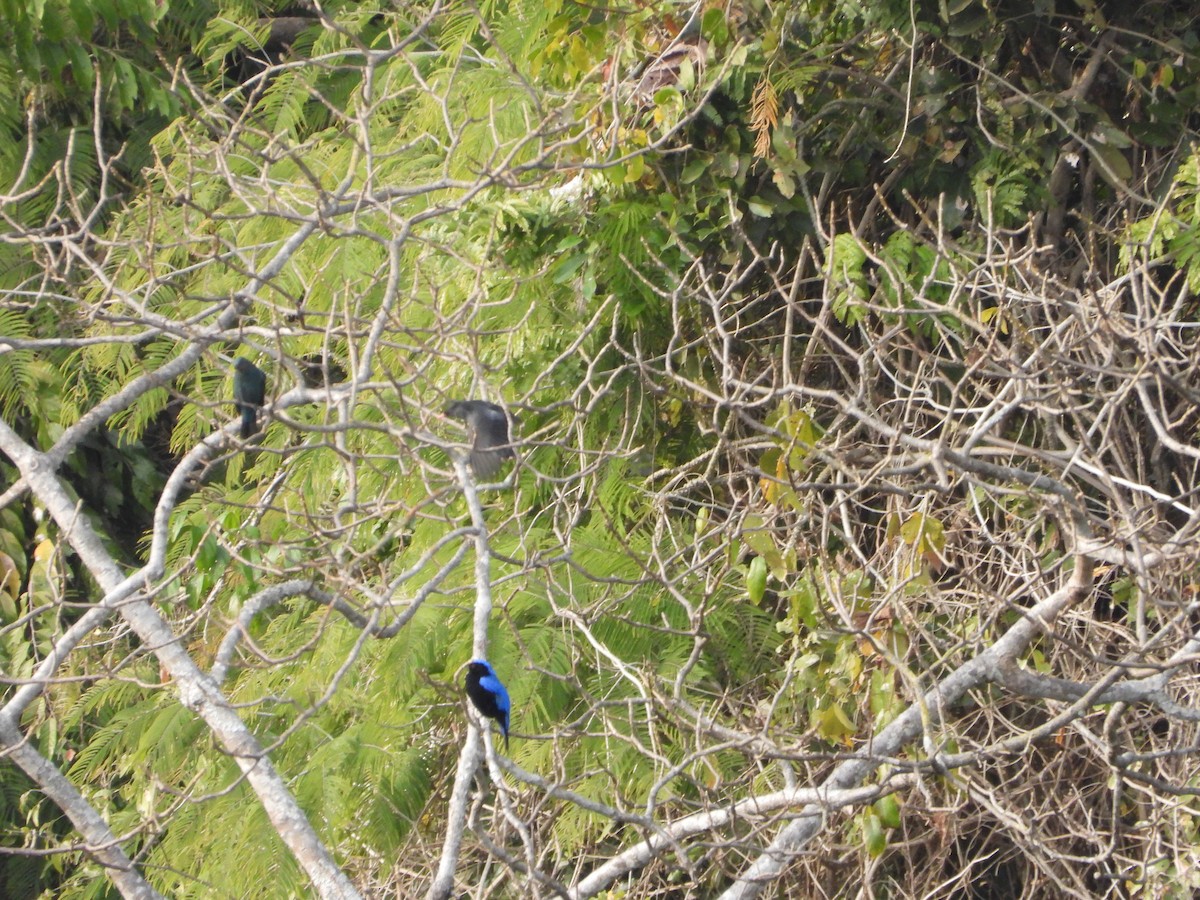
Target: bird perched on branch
x: 249, y: 392
x: 487, y: 426
x: 488, y: 694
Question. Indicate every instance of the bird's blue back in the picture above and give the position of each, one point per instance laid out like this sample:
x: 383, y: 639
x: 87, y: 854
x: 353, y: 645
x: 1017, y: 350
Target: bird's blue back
x: 493, y: 685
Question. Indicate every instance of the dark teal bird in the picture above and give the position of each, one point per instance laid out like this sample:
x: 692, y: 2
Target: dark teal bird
x: 487, y: 426
x: 487, y: 692
x: 249, y: 392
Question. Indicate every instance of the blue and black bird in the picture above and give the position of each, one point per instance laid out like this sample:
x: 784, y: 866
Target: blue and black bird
x: 249, y: 392
x: 487, y: 426
x: 487, y: 692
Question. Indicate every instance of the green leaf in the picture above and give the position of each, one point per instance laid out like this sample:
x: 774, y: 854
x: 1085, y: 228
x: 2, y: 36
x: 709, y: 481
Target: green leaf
x: 725, y: 165
x: 874, y: 836
x: 84, y: 15
x: 10, y: 576
x: 762, y: 542
x: 668, y: 95
x: 969, y: 22
x: 635, y: 168
x: 52, y: 26
x: 81, y: 66
x: 888, y: 810
x: 713, y: 26
x: 925, y: 533
x: 756, y: 579
x: 833, y: 724
x: 761, y: 208
x: 881, y: 696
x: 1114, y: 167
x: 564, y: 270
x: 785, y: 183
x: 694, y: 169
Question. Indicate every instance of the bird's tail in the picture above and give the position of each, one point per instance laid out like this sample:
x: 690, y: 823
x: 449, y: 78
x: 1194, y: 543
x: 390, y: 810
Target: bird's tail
x: 485, y: 463
x: 249, y: 422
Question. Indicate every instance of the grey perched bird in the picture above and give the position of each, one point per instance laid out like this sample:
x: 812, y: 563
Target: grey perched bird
x: 249, y: 392
x: 487, y: 426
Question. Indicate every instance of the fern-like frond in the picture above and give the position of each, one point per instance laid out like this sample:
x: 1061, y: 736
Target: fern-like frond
x: 764, y: 115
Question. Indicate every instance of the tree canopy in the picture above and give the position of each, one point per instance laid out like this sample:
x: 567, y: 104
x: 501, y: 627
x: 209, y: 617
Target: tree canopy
x: 847, y: 546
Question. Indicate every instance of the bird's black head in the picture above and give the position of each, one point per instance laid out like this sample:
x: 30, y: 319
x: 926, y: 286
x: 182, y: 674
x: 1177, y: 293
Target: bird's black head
x: 243, y: 365
x: 479, y: 668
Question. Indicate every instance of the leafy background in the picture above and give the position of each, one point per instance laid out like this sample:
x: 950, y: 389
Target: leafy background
x: 643, y: 252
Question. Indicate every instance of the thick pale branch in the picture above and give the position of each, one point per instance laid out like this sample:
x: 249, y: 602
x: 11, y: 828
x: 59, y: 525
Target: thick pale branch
x: 472, y: 752
x: 102, y: 844
x: 927, y: 711
x: 197, y: 691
